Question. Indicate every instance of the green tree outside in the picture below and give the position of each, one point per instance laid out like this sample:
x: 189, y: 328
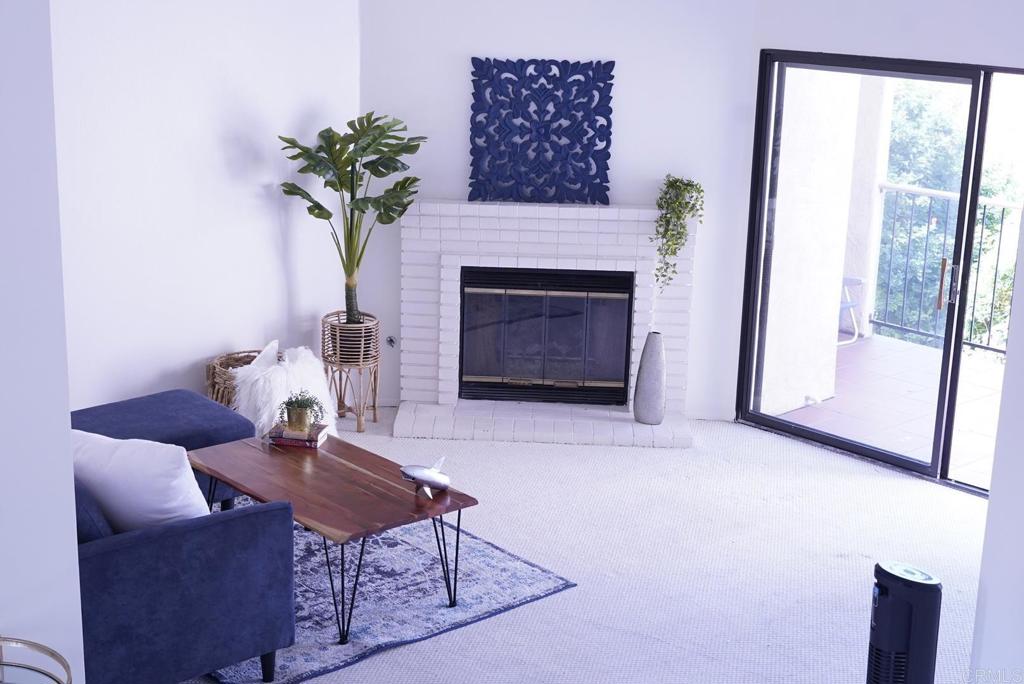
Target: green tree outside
x: 926, y: 150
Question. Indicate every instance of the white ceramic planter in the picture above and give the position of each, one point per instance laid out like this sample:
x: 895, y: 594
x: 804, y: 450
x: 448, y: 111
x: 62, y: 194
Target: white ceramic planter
x: 649, y: 394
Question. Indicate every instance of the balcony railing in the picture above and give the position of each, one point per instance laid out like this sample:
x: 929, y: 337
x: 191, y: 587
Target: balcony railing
x: 918, y: 230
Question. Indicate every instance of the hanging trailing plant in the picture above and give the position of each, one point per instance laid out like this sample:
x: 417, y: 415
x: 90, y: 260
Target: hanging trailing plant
x: 681, y: 199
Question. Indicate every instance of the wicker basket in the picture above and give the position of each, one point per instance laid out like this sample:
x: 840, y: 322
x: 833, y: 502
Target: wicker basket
x: 220, y: 381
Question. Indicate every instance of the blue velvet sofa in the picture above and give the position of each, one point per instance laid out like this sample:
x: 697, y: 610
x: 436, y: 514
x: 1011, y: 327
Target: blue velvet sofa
x: 176, y: 601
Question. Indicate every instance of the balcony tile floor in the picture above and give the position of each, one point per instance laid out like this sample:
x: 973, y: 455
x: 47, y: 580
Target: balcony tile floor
x: 886, y: 395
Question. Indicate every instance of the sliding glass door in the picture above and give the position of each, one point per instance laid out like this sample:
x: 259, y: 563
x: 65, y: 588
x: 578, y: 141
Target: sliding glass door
x: 987, y: 298
x: 861, y: 197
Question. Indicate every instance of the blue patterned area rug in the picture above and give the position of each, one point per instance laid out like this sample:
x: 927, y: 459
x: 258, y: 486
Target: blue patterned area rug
x: 401, y: 598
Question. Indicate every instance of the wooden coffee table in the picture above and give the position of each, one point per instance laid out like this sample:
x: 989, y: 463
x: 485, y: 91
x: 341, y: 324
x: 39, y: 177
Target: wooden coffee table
x: 342, y: 492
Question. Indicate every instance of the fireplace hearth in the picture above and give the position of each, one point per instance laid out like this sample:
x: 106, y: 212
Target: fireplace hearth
x: 545, y: 335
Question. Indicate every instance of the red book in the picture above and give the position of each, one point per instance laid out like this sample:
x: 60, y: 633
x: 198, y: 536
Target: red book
x: 284, y: 441
x: 316, y: 436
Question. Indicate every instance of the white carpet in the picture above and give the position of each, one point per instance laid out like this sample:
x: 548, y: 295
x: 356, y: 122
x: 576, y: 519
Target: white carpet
x: 747, y: 558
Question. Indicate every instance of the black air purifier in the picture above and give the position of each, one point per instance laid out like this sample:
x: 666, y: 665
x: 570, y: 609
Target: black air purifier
x: 904, y: 625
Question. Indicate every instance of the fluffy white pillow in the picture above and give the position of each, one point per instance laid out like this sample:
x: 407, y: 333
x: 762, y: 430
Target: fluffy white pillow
x: 136, y: 482
x: 260, y: 388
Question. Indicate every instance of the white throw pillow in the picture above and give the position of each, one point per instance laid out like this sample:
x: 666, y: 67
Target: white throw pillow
x: 136, y: 482
x: 266, y: 358
x: 260, y: 388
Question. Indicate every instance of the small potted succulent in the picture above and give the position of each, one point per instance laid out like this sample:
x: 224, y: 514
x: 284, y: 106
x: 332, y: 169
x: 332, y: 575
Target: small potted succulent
x: 300, y: 411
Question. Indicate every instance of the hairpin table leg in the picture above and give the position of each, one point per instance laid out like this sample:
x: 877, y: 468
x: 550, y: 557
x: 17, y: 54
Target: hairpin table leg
x: 344, y: 622
x: 451, y: 577
x: 211, y: 489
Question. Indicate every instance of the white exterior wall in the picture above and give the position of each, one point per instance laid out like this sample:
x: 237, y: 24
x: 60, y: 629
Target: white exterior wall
x: 863, y: 238
x: 819, y: 127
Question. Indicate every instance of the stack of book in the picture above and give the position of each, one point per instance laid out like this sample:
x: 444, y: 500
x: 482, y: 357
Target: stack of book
x: 282, y: 436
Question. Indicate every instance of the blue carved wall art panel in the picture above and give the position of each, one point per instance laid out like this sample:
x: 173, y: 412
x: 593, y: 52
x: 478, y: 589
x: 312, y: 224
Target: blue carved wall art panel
x: 540, y: 130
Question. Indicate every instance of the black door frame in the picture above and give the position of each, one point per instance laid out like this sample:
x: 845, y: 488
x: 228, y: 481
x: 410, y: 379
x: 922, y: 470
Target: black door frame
x: 771, y: 68
x: 944, y: 423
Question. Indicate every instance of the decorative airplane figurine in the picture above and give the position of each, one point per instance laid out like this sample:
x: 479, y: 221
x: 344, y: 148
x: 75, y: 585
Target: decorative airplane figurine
x: 426, y: 478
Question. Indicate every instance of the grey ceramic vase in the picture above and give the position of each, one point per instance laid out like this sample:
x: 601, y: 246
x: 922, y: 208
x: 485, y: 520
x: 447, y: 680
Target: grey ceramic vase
x: 649, y: 394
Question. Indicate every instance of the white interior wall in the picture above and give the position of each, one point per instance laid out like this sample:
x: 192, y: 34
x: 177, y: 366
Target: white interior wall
x: 999, y: 621
x: 39, y: 597
x: 683, y: 103
x: 214, y: 184
x: 180, y: 244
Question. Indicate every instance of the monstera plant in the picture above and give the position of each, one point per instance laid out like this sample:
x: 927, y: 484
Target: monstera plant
x: 348, y: 163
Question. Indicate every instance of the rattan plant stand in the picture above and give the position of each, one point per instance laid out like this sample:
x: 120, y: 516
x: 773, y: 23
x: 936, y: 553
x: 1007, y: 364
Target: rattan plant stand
x: 351, y: 355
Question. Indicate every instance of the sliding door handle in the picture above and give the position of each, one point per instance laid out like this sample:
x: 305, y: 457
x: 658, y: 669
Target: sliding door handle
x: 954, y: 283
x: 939, y: 300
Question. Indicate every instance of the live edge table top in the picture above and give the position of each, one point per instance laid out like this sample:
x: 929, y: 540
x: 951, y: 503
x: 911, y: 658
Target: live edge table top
x: 340, y: 491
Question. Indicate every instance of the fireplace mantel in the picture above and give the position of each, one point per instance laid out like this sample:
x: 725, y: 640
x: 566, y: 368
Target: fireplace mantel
x: 440, y: 237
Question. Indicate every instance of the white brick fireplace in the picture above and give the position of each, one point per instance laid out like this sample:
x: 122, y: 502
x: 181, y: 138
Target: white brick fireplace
x: 440, y: 237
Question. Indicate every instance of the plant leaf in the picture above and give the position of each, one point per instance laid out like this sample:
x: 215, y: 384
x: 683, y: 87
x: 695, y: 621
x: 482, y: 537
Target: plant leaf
x: 315, y: 209
x: 335, y: 151
x: 374, y: 141
x: 393, y: 203
x: 385, y: 166
x: 362, y: 204
x: 314, y: 162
